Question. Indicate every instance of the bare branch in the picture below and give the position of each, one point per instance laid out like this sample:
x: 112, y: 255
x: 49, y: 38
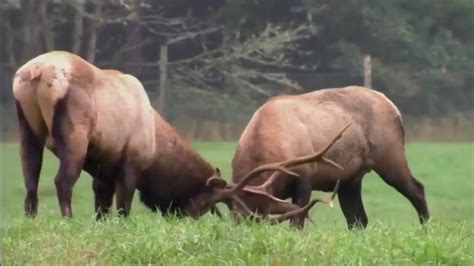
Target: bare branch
x: 131, y: 16
x: 191, y: 35
x: 10, y: 44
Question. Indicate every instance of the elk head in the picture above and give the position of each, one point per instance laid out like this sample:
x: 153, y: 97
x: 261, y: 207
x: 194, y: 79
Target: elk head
x: 218, y: 190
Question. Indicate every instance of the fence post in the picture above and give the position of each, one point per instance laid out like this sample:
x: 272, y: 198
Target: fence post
x: 163, y: 72
x: 367, y: 72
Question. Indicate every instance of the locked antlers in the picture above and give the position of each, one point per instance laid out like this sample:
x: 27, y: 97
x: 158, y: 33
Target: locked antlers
x: 304, y: 211
x: 282, y: 166
x: 276, y: 205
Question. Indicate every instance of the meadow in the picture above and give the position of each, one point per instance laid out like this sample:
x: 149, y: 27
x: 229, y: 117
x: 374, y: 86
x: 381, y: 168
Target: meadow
x: 394, y: 236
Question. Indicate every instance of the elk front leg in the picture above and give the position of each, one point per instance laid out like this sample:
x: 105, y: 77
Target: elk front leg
x: 104, y: 190
x: 216, y: 211
x: 350, y: 199
x: 301, y: 198
x: 125, y: 188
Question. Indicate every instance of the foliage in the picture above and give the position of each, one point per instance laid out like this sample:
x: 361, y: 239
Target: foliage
x: 202, y: 55
x: 237, y: 53
x: 422, y: 49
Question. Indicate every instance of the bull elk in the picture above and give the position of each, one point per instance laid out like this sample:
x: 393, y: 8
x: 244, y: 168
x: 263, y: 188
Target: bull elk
x: 101, y: 121
x: 289, y: 126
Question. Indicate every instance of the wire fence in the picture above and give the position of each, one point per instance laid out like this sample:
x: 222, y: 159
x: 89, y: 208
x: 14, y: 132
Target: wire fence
x: 199, y: 118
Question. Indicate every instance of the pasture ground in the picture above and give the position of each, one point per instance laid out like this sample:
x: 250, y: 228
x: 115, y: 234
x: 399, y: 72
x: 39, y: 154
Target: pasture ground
x: 393, y: 236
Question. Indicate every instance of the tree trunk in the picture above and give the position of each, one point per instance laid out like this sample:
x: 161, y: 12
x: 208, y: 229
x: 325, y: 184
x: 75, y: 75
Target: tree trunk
x: 48, y: 35
x: 163, y: 72
x: 94, y: 26
x: 193, y: 124
x: 28, y: 29
x: 367, y: 72
x: 10, y: 44
x: 78, y: 29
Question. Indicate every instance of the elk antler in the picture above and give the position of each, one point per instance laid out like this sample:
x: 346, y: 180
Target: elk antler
x: 269, y: 181
x: 295, y: 210
x: 305, y: 210
x: 283, y: 165
x: 231, y: 191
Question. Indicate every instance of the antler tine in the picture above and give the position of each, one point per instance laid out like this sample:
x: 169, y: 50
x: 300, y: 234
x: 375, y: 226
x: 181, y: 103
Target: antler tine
x: 333, y: 163
x: 257, y: 171
x: 336, y: 138
x: 305, y: 209
x: 318, y: 155
x: 263, y: 193
x: 336, y: 189
x: 283, y: 217
x: 269, y: 181
x: 243, y: 205
x: 291, y: 214
x: 329, y: 200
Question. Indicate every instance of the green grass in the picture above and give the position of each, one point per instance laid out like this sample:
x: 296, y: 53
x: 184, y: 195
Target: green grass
x: 393, y: 236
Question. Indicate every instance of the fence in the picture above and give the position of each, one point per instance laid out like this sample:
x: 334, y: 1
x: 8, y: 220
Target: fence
x: 208, y: 121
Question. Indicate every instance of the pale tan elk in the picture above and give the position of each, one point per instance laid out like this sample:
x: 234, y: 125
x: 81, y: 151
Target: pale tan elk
x: 289, y: 126
x: 101, y: 121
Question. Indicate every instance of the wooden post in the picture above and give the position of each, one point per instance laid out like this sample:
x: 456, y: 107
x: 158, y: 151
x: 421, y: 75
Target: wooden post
x: 367, y: 72
x: 163, y: 65
x: 93, y: 28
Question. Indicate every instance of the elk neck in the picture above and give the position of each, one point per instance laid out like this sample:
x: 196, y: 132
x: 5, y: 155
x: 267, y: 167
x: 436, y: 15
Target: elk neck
x: 175, y: 157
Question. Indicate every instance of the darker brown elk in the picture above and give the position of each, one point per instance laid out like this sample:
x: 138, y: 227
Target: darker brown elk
x: 101, y: 121
x: 289, y: 126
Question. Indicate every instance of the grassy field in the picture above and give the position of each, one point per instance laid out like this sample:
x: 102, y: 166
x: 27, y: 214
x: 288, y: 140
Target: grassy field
x: 393, y: 236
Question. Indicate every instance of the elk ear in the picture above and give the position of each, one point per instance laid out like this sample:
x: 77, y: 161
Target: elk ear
x: 217, y: 172
x: 216, y: 182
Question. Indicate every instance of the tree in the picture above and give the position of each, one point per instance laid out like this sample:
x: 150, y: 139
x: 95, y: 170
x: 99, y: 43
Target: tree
x: 226, y: 57
x: 207, y: 61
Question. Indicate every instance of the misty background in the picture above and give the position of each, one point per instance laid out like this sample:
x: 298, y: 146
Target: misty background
x: 208, y: 64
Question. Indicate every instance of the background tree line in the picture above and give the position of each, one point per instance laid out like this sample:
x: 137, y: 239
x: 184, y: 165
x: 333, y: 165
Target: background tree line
x: 225, y: 57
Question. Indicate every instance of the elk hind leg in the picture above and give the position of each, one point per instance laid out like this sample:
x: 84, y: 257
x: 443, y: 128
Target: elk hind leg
x: 71, y: 156
x: 396, y: 173
x: 70, y: 136
x: 31, y: 154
